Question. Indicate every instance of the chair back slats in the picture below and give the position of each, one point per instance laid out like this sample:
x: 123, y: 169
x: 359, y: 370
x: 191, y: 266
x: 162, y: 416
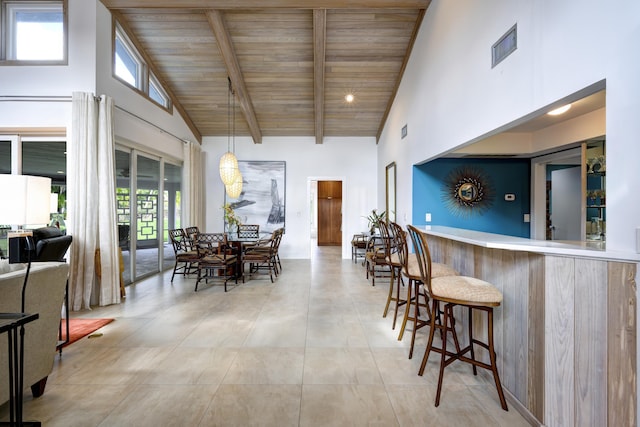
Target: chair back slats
x: 423, y: 256
x: 209, y: 243
x: 248, y: 231
x: 178, y: 240
x: 191, y: 233
x: 400, y: 241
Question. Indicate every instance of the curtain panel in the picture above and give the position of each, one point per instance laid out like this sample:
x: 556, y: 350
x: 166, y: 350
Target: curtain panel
x: 91, y: 202
x: 194, y: 188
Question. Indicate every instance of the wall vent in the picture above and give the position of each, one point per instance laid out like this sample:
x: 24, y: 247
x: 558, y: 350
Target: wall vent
x: 504, y: 46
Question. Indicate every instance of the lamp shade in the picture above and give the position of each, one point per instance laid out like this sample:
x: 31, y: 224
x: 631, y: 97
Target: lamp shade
x: 27, y: 199
x: 235, y: 188
x: 228, y: 168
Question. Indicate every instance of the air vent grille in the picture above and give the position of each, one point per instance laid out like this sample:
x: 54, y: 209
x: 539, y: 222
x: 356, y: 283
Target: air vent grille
x: 504, y: 46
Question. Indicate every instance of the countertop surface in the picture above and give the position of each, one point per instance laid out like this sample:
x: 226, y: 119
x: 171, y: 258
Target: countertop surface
x: 587, y: 249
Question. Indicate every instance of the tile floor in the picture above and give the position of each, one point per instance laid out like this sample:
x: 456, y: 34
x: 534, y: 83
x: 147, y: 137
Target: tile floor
x: 312, y: 349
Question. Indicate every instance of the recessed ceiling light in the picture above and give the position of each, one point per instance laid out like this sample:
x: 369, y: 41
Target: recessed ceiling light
x: 60, y: 172
x: 559, y: 110
x: 349, y: 98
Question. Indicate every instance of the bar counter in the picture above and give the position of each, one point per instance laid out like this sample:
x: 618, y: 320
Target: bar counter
x: 566, y: 330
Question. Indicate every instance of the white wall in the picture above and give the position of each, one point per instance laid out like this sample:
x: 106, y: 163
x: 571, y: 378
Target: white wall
x: 450, y: 94
x: 352, y: 160
x: 57, y: 81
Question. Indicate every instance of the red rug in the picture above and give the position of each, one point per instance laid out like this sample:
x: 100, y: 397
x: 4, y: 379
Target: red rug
x: 80, y: 328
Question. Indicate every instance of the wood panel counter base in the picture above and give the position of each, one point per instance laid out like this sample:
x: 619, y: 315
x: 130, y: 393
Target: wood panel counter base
x: 565, y: 335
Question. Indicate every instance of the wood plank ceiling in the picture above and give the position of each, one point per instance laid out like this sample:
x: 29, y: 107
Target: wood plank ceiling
x: 291, y: 63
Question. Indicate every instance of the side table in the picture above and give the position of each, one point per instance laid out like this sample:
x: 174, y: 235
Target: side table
x: 13, y: 325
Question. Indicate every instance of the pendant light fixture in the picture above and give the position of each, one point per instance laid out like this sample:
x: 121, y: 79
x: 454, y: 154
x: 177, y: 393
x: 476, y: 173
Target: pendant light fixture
x: 228, y: 161
x: 235, y: 189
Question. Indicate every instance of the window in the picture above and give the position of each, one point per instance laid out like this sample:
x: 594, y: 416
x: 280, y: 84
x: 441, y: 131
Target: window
x: 130, y: 67
x: 33, y: 30
x: 156, y: 92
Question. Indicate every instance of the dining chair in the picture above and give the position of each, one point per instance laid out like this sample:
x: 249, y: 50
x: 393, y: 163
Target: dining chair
x: 186, y: 258
x: 452, y: 291
x: 217, y: 260
x: 263, y: 255
x: 375, y: 261
x: 358, y: 246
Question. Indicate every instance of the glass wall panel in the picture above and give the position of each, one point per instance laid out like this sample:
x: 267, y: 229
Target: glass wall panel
x: 49, y: 159
x: 147, y: 222
x: 123, y: 209
x: 5, y: 168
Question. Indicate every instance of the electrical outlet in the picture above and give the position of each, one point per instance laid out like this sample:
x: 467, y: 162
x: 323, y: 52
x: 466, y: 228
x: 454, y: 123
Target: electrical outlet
x: 427, y: 217
x: 527, y: 218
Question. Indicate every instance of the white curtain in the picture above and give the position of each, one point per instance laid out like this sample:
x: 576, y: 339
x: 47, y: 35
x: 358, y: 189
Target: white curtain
x: 194, y: 185
x: 91, y: 202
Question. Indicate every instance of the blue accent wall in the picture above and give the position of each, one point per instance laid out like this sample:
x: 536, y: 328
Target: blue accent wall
x: 504, y: 176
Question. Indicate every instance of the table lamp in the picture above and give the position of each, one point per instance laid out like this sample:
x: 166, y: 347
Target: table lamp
x: 27, y: 200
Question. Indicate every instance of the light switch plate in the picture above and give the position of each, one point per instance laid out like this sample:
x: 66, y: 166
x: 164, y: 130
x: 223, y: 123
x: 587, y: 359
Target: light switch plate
x: 427, y: 217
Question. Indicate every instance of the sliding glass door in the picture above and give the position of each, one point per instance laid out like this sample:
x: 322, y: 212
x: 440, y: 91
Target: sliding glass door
x: 144, y: 220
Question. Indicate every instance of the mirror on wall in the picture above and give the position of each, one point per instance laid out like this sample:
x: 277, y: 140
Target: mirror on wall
x: 391, y: 191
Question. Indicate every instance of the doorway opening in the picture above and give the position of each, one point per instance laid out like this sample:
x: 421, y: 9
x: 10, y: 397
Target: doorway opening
x: 329, y: 213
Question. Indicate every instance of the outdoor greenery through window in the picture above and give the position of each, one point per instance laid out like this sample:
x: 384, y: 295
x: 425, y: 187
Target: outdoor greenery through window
x: 129, y: 66
x: 33, y: 30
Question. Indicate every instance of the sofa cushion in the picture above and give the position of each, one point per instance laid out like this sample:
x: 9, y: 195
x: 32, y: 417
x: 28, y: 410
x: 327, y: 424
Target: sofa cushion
x: 6, y: 267
x: 46, y: 233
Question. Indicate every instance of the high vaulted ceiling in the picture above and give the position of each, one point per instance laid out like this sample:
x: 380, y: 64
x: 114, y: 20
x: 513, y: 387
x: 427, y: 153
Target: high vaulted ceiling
x: 291, y: 63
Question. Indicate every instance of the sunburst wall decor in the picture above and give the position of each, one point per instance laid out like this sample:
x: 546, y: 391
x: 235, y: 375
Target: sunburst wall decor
x: 467, y: 191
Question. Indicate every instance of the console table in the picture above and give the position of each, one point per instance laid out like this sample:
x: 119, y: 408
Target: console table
x: 12, y: 324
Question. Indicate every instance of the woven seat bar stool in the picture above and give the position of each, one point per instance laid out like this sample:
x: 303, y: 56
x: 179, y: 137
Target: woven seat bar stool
x: 452, y: 291
x: 392, y: 234
x: 415, y: 290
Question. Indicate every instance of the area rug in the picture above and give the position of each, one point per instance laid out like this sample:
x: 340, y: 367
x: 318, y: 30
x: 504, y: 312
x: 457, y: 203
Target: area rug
x: 80, y: 328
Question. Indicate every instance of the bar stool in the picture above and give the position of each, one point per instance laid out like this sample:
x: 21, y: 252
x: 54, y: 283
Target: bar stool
x: 392, y: 235
x: 469, y: 292
x: 411, y: 270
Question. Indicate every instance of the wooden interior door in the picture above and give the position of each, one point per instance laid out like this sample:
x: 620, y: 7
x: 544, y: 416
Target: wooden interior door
x: 329, y: 213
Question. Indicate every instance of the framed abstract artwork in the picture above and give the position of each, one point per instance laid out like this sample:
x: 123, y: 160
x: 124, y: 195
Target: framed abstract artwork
x: 262, y: 200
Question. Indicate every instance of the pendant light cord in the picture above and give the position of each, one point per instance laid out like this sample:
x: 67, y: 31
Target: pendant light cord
x: 229, y: 115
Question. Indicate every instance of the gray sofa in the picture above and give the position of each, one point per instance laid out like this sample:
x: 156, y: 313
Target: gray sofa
x: 44, y: 295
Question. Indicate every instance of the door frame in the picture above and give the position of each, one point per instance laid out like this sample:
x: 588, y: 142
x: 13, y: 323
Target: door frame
x: 312, y: 203
x: 538, y: 226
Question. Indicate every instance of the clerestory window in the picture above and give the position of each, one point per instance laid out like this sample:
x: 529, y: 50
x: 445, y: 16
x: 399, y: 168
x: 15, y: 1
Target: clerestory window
x: 33, y: 31
x: 130, y: 67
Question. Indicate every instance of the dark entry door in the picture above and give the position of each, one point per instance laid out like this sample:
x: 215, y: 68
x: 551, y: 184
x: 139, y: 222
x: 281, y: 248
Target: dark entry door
x: 329, y: 213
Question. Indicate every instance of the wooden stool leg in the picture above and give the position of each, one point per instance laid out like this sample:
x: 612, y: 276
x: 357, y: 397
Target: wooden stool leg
x: 432, y: 330
x: 443, y: 356
x: 406, y: 311
x: 390, y: 296
x: 492, y: 356
x: 471, y: 352
x: 399, y: 302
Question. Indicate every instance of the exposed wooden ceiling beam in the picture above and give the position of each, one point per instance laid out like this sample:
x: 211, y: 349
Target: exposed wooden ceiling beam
x: 266, y: 4
x: 414, y: 34
x: 167, y: 88
x: 319, y: 44
x: 227, y: 51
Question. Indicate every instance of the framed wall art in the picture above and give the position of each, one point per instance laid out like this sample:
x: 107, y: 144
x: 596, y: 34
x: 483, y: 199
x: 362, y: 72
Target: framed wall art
x: 262, y: 200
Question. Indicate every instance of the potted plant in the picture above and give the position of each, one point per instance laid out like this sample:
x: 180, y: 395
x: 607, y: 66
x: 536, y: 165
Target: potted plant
x: 374, y: 218
x: 231, y: 219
